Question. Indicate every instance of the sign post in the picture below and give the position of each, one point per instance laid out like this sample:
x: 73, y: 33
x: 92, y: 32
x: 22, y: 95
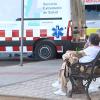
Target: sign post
x: 22, y: 32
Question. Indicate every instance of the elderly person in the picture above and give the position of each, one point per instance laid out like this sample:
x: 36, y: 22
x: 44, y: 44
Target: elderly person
x: 85, y: 55
x: 88, y: 43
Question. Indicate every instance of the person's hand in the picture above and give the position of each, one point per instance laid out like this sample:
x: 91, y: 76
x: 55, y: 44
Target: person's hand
x: 64, y: 57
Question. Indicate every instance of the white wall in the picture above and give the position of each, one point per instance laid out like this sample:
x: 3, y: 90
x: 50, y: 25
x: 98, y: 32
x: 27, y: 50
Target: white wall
x: 10, y: 10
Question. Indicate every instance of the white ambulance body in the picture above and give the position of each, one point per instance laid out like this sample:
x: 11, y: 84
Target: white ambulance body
x: 47, y: 27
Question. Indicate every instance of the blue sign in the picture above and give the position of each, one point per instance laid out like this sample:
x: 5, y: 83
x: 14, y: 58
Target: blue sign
x: 57, y: 32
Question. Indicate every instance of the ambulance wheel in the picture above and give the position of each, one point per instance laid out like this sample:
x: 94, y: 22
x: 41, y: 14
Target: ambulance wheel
x: 45, y: 50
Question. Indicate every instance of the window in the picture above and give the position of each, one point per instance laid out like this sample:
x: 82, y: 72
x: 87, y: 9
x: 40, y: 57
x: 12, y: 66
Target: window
x: 92, y: 12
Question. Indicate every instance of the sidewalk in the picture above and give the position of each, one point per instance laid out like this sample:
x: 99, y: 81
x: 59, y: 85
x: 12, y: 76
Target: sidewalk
x: 7, y: 97
x: 40, y: 86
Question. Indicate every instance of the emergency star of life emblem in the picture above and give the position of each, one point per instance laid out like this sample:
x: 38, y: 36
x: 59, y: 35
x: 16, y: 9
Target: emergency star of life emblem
x: 57, y: 32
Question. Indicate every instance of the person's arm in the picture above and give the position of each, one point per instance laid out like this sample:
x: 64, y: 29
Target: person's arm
x: 87, y: 44
x: 82, y: 52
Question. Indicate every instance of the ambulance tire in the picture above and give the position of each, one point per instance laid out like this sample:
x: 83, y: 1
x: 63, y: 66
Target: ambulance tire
x: 45, y: 50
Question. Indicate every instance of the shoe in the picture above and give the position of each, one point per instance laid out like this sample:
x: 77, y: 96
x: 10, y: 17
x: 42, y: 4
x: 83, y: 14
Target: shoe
x: 56, y: 85
x: 60, y: 92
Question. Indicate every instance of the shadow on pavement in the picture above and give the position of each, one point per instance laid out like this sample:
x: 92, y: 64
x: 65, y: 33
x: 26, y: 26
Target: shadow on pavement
x: 14, y: 61
x: 6, y: 97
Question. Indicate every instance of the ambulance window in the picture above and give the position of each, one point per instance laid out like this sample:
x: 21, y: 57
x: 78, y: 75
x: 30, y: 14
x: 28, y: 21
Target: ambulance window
x: 92, y: 12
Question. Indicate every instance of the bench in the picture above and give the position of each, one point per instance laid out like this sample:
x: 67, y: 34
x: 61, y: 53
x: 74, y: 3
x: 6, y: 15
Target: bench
x: 84, y: 75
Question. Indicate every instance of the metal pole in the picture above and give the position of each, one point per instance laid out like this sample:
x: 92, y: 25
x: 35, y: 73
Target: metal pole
x: 22, y: 32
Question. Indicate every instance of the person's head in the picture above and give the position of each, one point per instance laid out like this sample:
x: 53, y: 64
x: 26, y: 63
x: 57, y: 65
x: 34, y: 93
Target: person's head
x: 98, y: 32
x: 94, y: 39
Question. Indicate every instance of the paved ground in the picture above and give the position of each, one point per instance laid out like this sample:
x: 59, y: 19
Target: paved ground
x: 34, y: 80
x: 6, y: 97
x: 13, y: 73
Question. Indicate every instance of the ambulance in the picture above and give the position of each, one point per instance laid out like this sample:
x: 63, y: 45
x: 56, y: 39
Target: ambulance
x: 92, y: 15
x: 50, y: 27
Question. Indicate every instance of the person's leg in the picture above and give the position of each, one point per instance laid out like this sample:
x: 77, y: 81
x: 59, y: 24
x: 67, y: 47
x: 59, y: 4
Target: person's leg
x: 63, y: 80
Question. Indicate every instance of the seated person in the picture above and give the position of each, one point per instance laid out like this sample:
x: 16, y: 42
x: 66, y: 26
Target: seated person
x: 88, y: 43
x: 85, y: 55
